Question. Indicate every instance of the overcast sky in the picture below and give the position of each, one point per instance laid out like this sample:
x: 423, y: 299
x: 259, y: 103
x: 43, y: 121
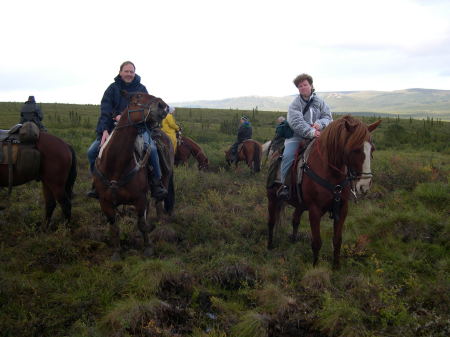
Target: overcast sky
x: 70, y: 51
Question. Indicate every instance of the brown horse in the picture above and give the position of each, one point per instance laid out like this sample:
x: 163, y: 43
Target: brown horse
x: 249, y: 151
x: 187, y: 147
x: 119, y: 177
x: 57, y: 171
x: 338, y: 164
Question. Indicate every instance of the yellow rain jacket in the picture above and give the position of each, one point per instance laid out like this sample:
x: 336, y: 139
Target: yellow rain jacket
x: 169, y: 126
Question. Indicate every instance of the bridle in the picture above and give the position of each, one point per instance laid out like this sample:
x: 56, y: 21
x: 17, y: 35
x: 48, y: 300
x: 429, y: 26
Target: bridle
x: 145, y: 108
x: 336, y: 189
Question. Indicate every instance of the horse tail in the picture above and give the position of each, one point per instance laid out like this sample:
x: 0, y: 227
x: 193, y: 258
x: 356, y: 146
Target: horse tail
x: 256, y: 157
x: 72, y: 174
x: 169, y: 201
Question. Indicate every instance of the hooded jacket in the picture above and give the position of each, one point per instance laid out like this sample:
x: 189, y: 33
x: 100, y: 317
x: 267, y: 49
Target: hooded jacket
x: 170, y: 127
x: 318, y: 112
x: 244, y: 132
x: 113, y: 103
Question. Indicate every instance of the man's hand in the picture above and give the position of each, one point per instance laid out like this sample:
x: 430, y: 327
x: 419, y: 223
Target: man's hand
x: 317, y: 134
x: 117, y: 118
x: 104, y: 137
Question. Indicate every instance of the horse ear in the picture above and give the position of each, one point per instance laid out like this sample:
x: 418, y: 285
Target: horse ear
x: 373, y: 126
x: 124, y: 93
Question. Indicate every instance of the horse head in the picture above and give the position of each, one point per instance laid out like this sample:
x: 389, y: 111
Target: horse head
x: 348, y: 142
x: 145, y: 108
x: 359, y: 154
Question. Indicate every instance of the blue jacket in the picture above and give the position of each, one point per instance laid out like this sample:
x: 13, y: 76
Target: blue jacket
x: 113, y: 103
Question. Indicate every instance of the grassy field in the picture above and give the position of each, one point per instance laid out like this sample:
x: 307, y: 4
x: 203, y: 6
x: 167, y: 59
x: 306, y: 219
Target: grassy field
x: 212, y: 274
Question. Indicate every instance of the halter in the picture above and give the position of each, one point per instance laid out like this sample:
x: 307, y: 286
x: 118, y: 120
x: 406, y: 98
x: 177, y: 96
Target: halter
x: 144, y: 115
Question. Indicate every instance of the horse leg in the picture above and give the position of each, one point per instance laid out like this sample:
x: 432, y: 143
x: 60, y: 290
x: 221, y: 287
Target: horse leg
x: 337, y: 235
x: 316, y: 242
x: 274, y: 208
x: 50, y: 205
x: 296, y: 223
x: 144, y: 227
x: 114, y: 230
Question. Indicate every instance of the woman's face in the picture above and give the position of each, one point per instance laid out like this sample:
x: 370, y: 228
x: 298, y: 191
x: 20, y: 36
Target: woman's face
x: 305, y: 88
x: 127, y: 73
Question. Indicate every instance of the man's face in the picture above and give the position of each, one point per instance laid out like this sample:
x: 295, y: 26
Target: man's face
x: 305, y: 88
x: 127, y: 73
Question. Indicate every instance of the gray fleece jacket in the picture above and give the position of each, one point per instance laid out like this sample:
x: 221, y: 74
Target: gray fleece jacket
x: 318, y: 112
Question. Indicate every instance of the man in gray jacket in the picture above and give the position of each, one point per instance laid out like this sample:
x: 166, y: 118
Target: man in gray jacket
x: 307, y: 116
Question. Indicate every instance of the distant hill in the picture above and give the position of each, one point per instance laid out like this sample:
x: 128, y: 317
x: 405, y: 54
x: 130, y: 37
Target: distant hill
x: 415, y: 102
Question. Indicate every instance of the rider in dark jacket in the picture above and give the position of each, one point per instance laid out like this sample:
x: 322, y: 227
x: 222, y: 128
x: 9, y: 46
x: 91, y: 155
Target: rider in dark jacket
x: 112, y: 105
x: 244, y: 132
x: 31, y: 112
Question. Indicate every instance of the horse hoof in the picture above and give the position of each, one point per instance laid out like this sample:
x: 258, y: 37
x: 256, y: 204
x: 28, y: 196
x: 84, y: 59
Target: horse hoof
x: 116, y: 257
x: 149, y: 252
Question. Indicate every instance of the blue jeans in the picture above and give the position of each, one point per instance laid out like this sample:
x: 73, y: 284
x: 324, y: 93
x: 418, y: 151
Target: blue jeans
x: 94, y: 150
x: 154, y: 158
x: 290, y: 148
x: 92, y: 153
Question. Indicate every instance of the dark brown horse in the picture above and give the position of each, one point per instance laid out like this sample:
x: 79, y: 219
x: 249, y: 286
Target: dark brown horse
x: 119, y: 177
x: 187, y: 147
x: 57, y: 171
x: 338, y: 164
x: 249, y: 151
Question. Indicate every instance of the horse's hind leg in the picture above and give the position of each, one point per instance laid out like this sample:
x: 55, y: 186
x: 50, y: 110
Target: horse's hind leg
x: 50, y: 205
x: 316, y: 242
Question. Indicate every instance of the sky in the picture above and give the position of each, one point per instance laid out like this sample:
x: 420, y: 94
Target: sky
x: 186, y: 50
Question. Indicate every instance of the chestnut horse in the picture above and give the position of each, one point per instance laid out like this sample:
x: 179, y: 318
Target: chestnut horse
x: 187, y: 147
x: 120, y: 178
x: 58, y: 171
x: 249, y: 151
x: 338, y: 164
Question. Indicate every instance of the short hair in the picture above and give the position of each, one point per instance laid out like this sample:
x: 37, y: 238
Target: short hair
x: 300, y: 78
x: 125, y: 63
x: 281, y: 119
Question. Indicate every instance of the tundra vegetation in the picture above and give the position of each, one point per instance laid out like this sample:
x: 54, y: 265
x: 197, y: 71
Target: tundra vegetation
x: 212, y: 274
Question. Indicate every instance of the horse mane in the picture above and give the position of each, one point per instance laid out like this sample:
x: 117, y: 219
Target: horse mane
x: 341, y: 137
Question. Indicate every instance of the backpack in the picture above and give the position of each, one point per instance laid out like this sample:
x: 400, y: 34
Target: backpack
x: 284, y: 130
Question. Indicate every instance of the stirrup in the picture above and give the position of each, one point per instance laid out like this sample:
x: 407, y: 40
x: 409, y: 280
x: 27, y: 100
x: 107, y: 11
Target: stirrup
x: 283, y: 192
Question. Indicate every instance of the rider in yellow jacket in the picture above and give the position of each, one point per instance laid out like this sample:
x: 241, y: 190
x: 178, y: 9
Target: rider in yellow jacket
x: 170, y: 127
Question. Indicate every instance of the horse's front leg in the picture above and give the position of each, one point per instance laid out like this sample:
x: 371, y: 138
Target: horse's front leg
x: 315, y: 215
x: 274, y: 208
x: 296, y: 223
x: 114, y: 231
x: 337, y: 235
x: 144, y: 227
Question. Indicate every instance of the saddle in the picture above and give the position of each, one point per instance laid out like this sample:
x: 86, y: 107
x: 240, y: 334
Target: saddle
x: 165, y: 160
x: 18, y: 151
x: 295, y: 173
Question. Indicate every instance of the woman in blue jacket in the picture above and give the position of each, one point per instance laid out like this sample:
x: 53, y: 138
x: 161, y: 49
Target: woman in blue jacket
x: 111, y: 107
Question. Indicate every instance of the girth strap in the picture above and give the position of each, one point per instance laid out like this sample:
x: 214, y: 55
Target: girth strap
x: 335, y: 189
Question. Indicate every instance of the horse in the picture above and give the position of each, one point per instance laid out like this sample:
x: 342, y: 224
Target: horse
x: 57, y: 171
x: 120, y: 178
x: 187, y: 147
x: 338, y: 164
x: 249, y: 151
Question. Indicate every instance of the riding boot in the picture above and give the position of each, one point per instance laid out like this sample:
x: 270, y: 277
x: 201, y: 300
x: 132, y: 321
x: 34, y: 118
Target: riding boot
x: 283, y: 192
x: 92, y: 193
x: 157, y: 189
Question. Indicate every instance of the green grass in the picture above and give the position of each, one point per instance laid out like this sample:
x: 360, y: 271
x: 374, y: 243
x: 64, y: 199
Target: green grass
x: 212, y: 274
